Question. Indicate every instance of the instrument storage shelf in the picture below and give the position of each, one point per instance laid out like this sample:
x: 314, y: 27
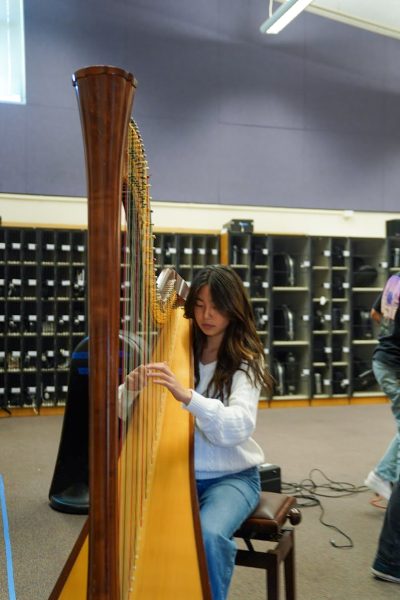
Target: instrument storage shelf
x: 311, y: 298
x: 43, y: 313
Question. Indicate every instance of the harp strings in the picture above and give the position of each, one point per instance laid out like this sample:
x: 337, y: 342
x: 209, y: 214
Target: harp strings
x: 146, y: 336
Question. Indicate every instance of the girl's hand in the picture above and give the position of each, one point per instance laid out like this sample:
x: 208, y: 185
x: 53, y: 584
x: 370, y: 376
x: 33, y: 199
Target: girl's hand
x: 136, y: 379
x: 161, y: 373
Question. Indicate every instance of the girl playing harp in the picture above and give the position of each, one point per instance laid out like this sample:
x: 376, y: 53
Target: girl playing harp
x: 229, y: 375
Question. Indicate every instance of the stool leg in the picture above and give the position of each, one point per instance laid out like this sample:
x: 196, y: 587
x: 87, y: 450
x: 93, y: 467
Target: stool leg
x: 273, y: 577
x: 289, y: 567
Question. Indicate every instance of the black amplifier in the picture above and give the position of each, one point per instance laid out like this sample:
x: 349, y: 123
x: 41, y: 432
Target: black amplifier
x: 239, y: 226
x: 270, y: 476
x: 393, y: 228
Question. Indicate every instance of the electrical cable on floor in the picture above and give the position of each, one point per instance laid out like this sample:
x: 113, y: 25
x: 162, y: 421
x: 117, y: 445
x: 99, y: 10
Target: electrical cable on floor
x: 308, y: 493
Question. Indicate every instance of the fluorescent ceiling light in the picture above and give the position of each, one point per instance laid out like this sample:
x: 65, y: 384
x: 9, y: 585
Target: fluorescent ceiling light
x: 283, y: 15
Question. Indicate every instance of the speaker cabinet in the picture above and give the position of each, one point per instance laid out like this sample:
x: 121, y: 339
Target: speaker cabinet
x: 393, y: 228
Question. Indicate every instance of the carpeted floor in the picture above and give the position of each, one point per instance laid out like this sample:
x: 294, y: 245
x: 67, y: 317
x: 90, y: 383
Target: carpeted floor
x: 343, y: 442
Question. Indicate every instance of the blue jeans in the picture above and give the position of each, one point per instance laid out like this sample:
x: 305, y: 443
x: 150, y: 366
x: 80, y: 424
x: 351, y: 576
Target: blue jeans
x: 389, y: 380
x: 387, y: 558
x: 225, y: 502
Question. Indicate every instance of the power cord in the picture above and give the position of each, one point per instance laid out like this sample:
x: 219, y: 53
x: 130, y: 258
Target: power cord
x: 308, y: 492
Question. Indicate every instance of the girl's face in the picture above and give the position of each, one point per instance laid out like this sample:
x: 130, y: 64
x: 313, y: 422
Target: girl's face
x: 210, y: 320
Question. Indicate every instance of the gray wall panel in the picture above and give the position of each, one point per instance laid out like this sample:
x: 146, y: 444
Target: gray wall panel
x: 349, y: 49
x: 391, y: 175
x: 187, y: 167
x: 261, y: 165
x: 341, y: 167
x: 178, y: 80
x: 338, y: 100
x: 310, y: 117
x: 261, y: 87
x: 13, y: 149
x: 54, y: 132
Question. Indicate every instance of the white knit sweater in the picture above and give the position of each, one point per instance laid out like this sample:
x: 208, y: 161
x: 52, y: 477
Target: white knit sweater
x: 222, y: 435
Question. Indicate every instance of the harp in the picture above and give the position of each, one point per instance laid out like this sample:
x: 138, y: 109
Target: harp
x: 142, y: 540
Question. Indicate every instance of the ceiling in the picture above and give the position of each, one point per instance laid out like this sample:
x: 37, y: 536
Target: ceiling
x: 379, y: 16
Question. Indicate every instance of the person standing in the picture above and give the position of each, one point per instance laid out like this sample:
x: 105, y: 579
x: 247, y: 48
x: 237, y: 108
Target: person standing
x: 386, y: 565
x: 386, y: 368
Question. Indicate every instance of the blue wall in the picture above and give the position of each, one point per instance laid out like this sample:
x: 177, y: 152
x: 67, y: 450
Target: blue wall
x: 308, y: 118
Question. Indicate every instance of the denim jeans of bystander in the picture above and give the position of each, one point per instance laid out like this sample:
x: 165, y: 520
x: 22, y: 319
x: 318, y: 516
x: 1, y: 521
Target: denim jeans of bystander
x: 388, y: 378
x: 386, y: 565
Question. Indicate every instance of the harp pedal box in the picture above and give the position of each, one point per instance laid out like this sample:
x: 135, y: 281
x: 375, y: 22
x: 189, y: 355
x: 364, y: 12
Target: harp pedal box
x: 270, y: 476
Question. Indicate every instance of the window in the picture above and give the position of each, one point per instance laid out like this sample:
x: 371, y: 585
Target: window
x: 12, y: 52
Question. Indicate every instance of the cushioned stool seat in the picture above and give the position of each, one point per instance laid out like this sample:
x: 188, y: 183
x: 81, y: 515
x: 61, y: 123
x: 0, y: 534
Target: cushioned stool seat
x: 267, y: 524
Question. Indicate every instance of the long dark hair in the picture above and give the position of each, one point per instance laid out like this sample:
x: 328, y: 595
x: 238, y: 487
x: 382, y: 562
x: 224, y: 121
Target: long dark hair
x: 240, y: 344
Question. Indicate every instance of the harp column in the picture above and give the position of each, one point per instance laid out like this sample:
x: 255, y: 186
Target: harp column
x: 105, y: 97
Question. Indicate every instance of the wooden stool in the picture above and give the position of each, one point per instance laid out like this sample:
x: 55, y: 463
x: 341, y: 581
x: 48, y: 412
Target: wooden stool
x: 266, y: 523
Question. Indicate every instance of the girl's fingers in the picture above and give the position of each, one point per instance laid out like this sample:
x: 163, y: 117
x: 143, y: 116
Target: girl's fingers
x: 160, y: 375
x: 161, y: 366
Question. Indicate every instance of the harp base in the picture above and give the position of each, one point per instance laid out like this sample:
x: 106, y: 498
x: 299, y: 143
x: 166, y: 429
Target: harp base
x: 74, y: 499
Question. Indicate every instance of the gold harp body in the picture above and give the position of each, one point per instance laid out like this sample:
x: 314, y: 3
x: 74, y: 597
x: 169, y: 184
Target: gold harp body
x: 166, y: 560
